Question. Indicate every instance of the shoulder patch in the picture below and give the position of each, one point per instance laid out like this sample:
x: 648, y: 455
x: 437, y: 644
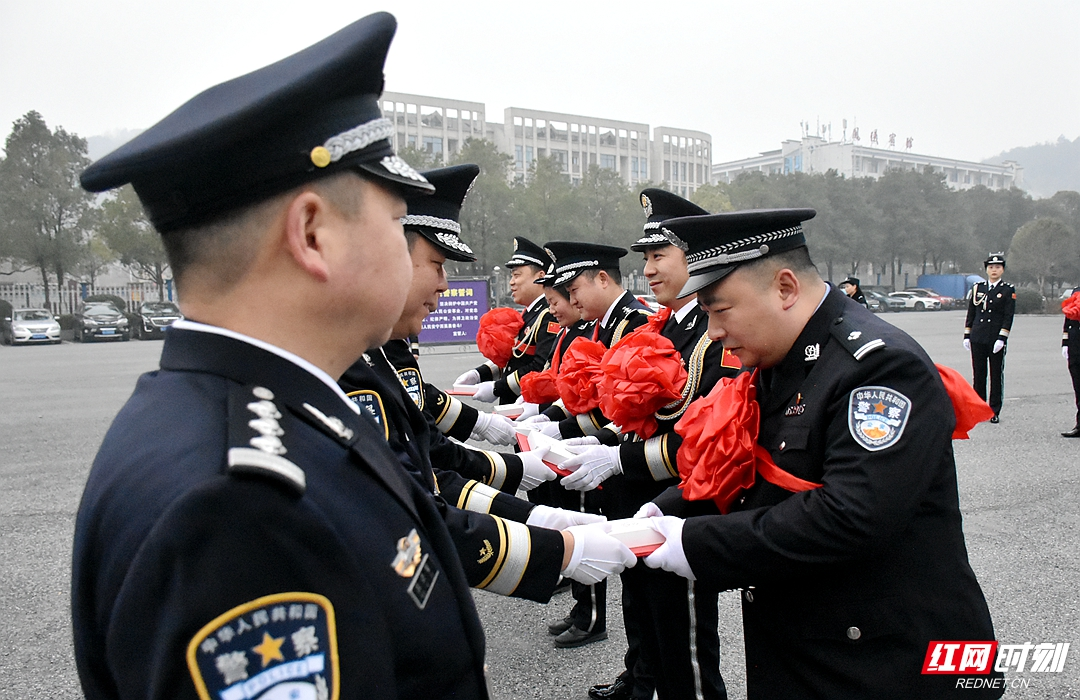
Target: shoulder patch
x: 255, y: 438
x: 370, y: 402
x: 854, y: 339
x: 278, y: 646
x: 414, y: 385
x: 877, y: 416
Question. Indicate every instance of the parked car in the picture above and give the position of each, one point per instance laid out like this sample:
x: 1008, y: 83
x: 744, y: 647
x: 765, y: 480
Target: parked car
x: 30, y: 326
x: 885, y: 302
x: 946, y: 302
x: 153, y: 317
x: 100, y: 320
x: 916, y: 302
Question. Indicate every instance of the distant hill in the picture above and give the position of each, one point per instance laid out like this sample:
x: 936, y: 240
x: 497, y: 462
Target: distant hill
x: 1048, y: 167
x: 97, y: 146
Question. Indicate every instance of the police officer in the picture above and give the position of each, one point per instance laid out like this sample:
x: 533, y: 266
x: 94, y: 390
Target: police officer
x: 851, y: 287
x: 851, y: 553
x: 986, y: 332
x: 1070, y: 350
x: 534, y: 342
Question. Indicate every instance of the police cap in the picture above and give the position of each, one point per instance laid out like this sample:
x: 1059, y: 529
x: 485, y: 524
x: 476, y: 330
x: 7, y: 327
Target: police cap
x: 313, y: 114
x: 436, y: 216
x: 572, y: 258
x: 995, y: 259
x: 528, y: 253
x: 659, y: 205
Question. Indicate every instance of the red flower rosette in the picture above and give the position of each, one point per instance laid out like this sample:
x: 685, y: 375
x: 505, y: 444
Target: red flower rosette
x: 579, y: 375
x: 539, y: 387
x: 497, y: 334
x: 969, y: 408
x: 642, y: 373
x: 719, y: 452
x: 658, y: 320
x: 1071, y: 307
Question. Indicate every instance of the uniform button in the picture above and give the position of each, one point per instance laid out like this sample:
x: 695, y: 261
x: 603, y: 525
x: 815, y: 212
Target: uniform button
x: 853, y: 633
x: 749, y: 596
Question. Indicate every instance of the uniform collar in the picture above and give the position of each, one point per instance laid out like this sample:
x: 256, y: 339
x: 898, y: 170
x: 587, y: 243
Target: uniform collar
x: 685, y: 311
x: 611, y: 310
x: 535, y: 303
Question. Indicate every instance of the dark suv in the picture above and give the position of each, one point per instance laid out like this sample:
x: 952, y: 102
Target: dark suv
x: 100, y: 320
x: 153, y: 317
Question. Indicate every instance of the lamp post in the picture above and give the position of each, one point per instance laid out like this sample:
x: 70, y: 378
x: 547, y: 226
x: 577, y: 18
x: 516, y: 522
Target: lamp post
x: 495, y: 288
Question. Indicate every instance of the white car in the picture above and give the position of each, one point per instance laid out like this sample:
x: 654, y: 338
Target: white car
x: 916, y: 302
x: 29, y: 326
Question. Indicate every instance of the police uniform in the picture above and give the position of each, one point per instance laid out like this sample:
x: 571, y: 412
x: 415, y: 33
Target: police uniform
x: 534, y: 342
x: 1070, y: 338
x: 244, y: 530
x: 845, y: 585
x: 989, y: 319
x: 858, y: 296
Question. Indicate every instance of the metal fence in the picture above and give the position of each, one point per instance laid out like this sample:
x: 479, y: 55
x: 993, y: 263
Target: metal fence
x: 65, y: 300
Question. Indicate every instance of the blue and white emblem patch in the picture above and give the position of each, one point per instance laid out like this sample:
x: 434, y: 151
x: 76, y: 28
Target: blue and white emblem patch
x: 877, y: 416
x: 278, y: 646
x: 370, y: 402
x: 410, y: 379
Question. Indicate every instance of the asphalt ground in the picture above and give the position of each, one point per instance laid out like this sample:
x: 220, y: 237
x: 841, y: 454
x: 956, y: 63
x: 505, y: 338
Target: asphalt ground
x: 1019, y: 491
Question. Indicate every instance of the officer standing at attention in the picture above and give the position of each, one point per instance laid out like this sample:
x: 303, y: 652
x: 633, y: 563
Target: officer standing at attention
x: 986, y: 331
x: 1070, y: 350
x: 244, y: 529
x: 535, y: 340
x: 851, y: 287
x: 854, y: 565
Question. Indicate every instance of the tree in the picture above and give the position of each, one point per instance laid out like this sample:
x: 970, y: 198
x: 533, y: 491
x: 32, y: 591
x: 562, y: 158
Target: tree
x: 611, y: 211
x: 419, y: 159
x: 46, y: 215
x: 1044, y: 250
x: 96, y: 258
x: 124, y: 226
x: 712, y: 198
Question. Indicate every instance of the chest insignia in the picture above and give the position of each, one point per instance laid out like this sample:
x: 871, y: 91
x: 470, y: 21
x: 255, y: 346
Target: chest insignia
x: 410, y: 562
x: 812, y: 352
x: 693, y: 322
x: 854, y: 335
x: 877, y: 416
x: 278, y: 646
x: 333, y: 422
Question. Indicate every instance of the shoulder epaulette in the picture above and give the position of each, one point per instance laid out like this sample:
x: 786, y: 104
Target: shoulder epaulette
x: 255, y: 439
x: 858, y: 343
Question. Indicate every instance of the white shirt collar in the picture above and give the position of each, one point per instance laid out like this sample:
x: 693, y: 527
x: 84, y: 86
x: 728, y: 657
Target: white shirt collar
x: 535, y: 302
x: 682, y: 313
x: 611, y: 309
x: 185, y: 324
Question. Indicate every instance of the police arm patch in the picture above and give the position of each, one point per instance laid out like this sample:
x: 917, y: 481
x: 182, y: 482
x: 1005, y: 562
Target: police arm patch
x: 278, y: 646
x: 877, y: 416
x: 371, y: 402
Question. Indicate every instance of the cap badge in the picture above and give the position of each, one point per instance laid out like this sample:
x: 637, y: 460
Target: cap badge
x: 320, y: 157
x: 646, y: 204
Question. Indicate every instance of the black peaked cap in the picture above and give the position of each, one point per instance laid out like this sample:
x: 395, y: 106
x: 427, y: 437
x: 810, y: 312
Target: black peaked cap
x: 307, y: 116
x: 717, y: 244
x: 572, y: 258
x: 528, y: 253
x: 854, y: 281
x: 659, y: 205
x: 994, y: 259
x: 437, y: 217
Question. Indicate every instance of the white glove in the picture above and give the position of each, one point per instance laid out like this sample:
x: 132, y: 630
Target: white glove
x: 967, y: 344
x: 591, y: 467
x: 551, y: 429
x: 649, y: 510
x: 998, y: 346
x: 670, y: 555
x: 533, y: 420
x: 1065, y: 351
x: 528, y: 411
x: 493, y: 428
x: 581, y: 441
x: 535, y: 472
x: 596, y: 555
x: 560, y: 519
x: 470, y: 377
x: 485, y: 391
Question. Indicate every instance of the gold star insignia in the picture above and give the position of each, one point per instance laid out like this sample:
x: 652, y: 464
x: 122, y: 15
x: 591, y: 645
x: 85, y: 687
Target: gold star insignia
x: 879, y: 407
x: 270, y: 649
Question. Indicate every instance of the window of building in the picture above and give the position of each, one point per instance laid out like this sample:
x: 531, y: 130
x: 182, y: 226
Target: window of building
x: 560, y: 157
x: 519, y: 159
x: 452, y: 146
x: 433, y: 145
x: 528, y: 156
x: 644, y: 163
x: 787, y: 164
x: 607, y: 162
x: 682, y: 172
x: 388, y: 106
x: 798, y: 163
x: 607, y: 137
x: 559, y: 131
x: 667, y: 171
x: 412, y: 140
x: 431, y: 117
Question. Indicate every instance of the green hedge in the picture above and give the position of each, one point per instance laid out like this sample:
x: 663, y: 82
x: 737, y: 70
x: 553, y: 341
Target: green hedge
x: 1029, y: 301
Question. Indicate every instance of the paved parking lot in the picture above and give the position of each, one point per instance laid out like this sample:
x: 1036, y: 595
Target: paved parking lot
x: 1018, y: 481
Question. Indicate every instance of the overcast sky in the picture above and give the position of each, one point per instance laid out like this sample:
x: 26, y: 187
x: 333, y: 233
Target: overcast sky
x: 965, y: 78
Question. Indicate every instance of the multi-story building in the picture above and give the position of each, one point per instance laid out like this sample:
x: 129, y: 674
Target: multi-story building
x: 678, y: 157
x: 813, y: 154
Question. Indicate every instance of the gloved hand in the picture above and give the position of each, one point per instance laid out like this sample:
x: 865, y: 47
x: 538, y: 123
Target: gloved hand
x: 528, y: 410
x: 581, y: 441
x: 551, y: 429
x: 533, y: 420
x: 485, y: 391
x: 596, y: 555
x: 649, y: 510
x: 670, y: 555
x: 535, y: 471
x: 591, y: 467
x: 1065, y: 352
x: 470, y: 377
x: 493, y: 428
x: 967, y: 344
x: 559, y: 518
x: 999, y: 345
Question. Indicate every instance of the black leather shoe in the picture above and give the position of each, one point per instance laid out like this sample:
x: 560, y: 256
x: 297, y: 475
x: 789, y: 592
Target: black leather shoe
x: 995, y: 419
x: 1074, y: 433
x: 557, y: 628
x: 577, y: 637
x: 619, y: 690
